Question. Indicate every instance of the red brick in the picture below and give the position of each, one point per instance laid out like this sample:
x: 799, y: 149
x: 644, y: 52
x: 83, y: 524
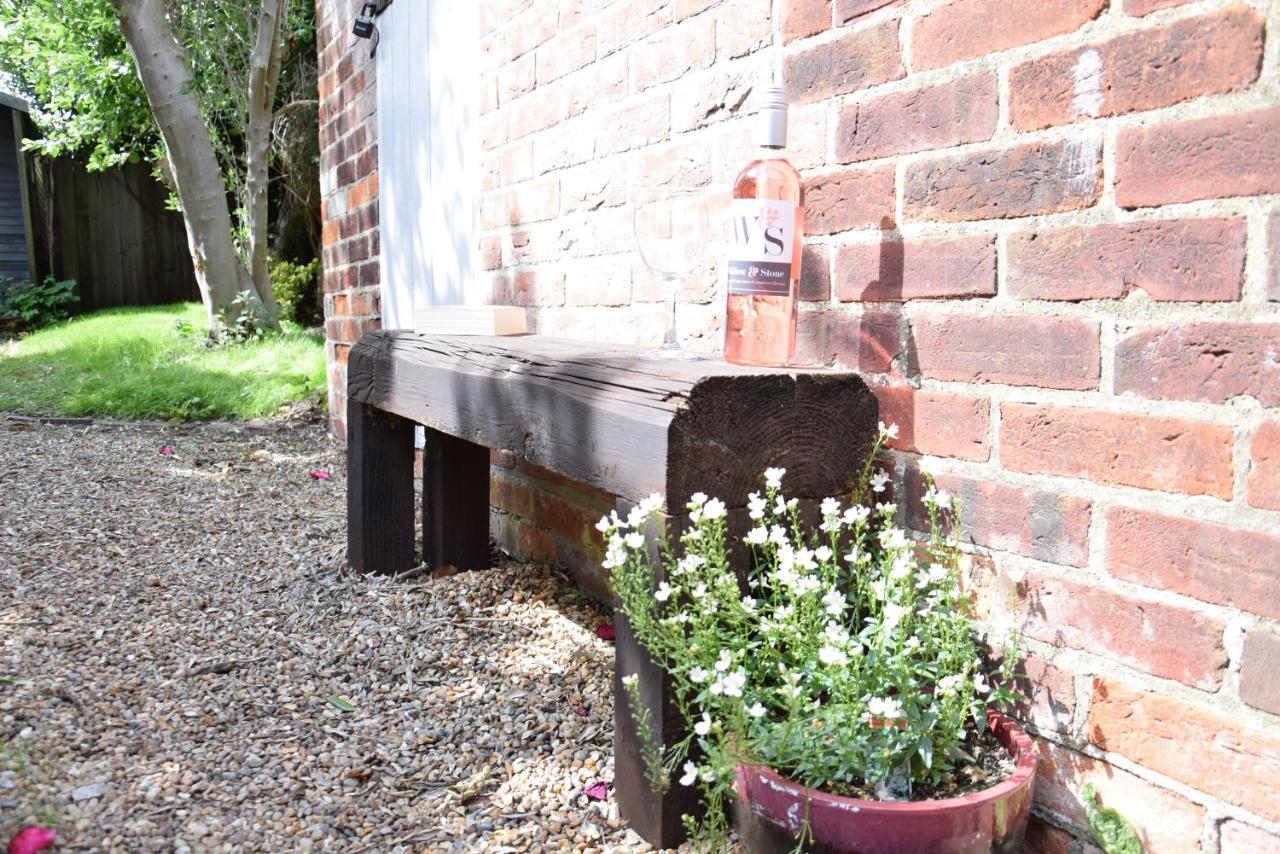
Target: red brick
x: 570, y: 520
x: 742, y: 27
x: 1259, y: 686
x: 673, y: 53
x: 802, y: 18
x: 1214, y: 362
x: 1044, y: 838
x: 868, y: 342
x: 1273, y: 271
x: 1166, y: 822
x: 935, y: 116
x: 527, y: 31
x: 1050, y: 694
x: 1240, y: 838
x: 589, y: 496
x: 920, y: 268
x: 853, y: 61
x: 1045, y: 525
x: 941, y: 425
x: 1214, y: 563
x: 1234, y: 760
x: 1149, y: 452
x: 965, y: 29
x: 1221, y: 52
x: 567, y: 52
x: 512, y: 495
x: 1213, y: 158
x: 815, y: 274
x: 1167, y: 641
x: 636, y: 124
x: 853, y: 198
x: 535, y: 544
x: 1048, y: 352
x: 1264, y: 466
x: 1146, y: 7
x: 847, y: 10
x: 627, y: 22
x: 1200, y: 260
x: 1034, y: 178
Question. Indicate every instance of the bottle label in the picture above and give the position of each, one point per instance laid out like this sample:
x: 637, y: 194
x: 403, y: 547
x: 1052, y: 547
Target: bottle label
x: 763, y: 246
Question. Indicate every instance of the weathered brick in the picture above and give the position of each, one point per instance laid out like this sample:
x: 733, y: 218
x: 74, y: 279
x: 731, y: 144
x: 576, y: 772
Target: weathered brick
x: 852, y: 198
x: 867, y: 342
x: 1224, y: 565
x: 1236, y: 837
x: 1273, y: 271
x: 564, y: 517
x: 1221, y: 52
x: 627, y: 22
x: 1167, y: 641
x: 815, y: 274
x: 802, y: 18
x: 672, y: 53
x: 742, y: 27
x: 855, y: 60
x: 1259, y: 686
x: 935, y: 423
x: 932, y: 117
x: 1149, y: 452
x: 526, y: 32
x: 1264, y: 466
x: 1166, y: 822
x: 568, y: 51
x: 1033, y: 178
x: 965, y: 29
x: 1044, y: 838
x: 1048, y: 352
x: 920, y: 268
x: 714, y: 95
x: 1049, y: 694
x: 1213, y: 158
x: 1199, y: 260
x: 512, y: 495
x: 1146, y: 7
x: 1201, y: 361
x: 633, y: 125
x: 847, y: 10
x: 1047, y: 526
x: 1236, y: 761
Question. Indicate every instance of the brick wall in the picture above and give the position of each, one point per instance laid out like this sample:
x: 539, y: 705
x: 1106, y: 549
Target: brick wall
x: 1047, y: 232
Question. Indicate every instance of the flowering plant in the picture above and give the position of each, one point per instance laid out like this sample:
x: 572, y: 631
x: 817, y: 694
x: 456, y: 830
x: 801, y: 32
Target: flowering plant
x: 847, y: 658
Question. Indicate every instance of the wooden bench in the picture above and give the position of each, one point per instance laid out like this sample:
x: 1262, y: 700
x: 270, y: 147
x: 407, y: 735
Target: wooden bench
x: 599, y: 414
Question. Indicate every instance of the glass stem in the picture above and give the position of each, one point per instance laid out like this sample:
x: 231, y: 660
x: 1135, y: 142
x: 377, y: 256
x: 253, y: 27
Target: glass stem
x: 669, y: 341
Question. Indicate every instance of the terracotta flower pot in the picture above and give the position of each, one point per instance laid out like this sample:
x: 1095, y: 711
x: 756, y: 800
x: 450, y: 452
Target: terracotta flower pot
x: 772, y: 811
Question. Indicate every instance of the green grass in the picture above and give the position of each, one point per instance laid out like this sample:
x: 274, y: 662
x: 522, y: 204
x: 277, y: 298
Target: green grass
x: 133, y: 363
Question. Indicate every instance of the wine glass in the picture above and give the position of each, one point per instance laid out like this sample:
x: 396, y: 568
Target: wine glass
x: 670, y: 225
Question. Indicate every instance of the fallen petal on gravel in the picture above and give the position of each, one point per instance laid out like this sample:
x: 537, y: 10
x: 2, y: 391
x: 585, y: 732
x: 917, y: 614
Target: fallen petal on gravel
x: 605, y: 631
x: 166, y: 451
x: 597, y: 791
x: 31, y: 839
x: 320, y: 474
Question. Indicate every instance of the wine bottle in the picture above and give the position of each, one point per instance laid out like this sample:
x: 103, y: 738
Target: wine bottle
x: 767, y: 228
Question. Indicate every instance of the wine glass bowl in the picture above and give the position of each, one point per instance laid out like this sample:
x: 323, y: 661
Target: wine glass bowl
x: 670, y: 226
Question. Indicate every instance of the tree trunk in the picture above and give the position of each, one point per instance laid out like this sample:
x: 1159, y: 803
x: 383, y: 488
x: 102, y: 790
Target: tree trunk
x: 264, y: 75
x: 165, y: 72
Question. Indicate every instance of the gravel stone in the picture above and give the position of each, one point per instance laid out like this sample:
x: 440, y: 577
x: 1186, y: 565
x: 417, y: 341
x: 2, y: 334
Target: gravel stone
x: 178, y: 635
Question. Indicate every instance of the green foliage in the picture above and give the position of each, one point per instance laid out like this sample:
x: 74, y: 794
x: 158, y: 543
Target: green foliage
x: 31, y: 305
x: 1112, y: 831
x: 853, y: 662
x: 155, y: 363
x: 296, y: 288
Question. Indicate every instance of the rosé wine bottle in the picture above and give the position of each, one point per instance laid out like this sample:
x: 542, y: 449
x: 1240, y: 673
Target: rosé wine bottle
x: 767, y: 213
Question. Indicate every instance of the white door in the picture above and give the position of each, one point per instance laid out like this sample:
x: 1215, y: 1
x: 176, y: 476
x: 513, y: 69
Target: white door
x: 428, y: 152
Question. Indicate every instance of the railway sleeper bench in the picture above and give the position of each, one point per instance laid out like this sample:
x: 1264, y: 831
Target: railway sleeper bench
x: 600, y: 414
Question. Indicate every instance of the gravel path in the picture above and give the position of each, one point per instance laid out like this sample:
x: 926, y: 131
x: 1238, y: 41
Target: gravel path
x: 186, y: 665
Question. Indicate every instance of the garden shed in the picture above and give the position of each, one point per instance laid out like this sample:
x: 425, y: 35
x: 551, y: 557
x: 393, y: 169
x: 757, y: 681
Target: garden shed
x: 17, y: 251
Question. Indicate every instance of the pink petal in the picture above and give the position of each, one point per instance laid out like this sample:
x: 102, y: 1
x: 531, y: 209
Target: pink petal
x: 31, y: 839
x: 166, y: 451
x: 604, y: 631
x: 597, y: 791
x: 320, y: 474
x: 580, y: 711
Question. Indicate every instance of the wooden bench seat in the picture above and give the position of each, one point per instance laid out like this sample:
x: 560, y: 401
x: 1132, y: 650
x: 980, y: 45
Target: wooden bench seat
x: 599, y: 414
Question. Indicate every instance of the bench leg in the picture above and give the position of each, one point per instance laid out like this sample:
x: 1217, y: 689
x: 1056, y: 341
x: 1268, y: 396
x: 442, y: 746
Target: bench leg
x: 379, y: 490
x: 455, y: 502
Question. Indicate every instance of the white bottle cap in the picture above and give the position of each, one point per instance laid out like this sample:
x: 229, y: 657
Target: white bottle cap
x: 773, y: 117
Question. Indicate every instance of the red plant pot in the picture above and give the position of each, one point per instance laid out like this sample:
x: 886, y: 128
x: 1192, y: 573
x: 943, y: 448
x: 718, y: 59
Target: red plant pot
x: 991, y: 820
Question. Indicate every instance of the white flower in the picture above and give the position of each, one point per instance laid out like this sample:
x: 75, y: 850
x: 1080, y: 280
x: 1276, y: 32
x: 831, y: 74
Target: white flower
x: 755, y: 506
x: 887, y: 708
x: 703, y: 726
x: 936, y: 497
x: 734, y: 683
x: 878, y: 481
x: 950, y: 684
x: 604, y: 524
x: 822, y: 553
x: 980, y: 683
x: 757, y: 536
x: 725, y: 661
x: 832, y: 657
x: 877, y: 587
x: 856, y: 514
x: 804, y: 559
x: 834, y: 602
x: 690, y: 774
x: 698, y: 675
x: 635, y: 518
x: 634, y: 540
x: 830, y: 507
x: 912, y: 642
x: 893, y: 614
x: 782, y: 612
x: 748, y: 604
x: 663, y: 593
x: 652, y: 504
x: 714, y: 509
x: 689, y: 563
x: 938, y: 572
x: 889, y: 432
x: 757, y: 711
x: 778, y: 535
x: 780, y: 506
x: 697, y: 500
x: 894, y: 538
x: 852, y: 555
x: 631, y: 681
x: 692, y: 534
x: 699, y: 591
x: 836, y: 633
x: 773, y: 477
x: 901, y: 567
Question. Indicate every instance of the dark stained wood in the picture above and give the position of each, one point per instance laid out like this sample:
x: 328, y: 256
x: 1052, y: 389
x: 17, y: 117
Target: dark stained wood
x: 14, y: 261
x: 455, y: 502
x: 380, y: 499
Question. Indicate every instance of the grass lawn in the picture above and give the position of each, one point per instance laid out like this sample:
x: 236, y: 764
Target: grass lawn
x: 135, y: 363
